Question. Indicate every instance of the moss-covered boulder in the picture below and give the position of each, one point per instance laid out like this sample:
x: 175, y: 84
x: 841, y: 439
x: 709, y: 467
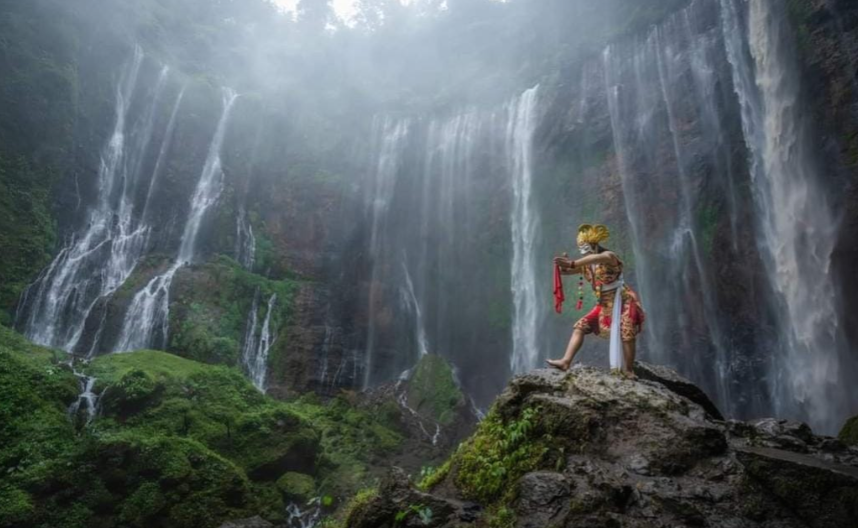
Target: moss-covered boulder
x: 298, y: 487
x: 210, y: 306
x: 433, y: 391
x: 849, y: 434
x: 135, y: 390
x: 176, y: 443
x: 585, y: 448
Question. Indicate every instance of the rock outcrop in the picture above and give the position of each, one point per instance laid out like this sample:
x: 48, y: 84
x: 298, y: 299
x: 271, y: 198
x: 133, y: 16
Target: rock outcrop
x: 588, y: 449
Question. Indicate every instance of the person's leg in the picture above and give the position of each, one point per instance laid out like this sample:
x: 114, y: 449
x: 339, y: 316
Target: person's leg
x: 572, y: 348
x: 629, y: 351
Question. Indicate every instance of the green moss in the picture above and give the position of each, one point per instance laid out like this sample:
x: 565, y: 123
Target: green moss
x: 209, y: 310
x: 177, y: 444
x: 297, y: 486
x: 500, y: 452
x: 501, y: 517
x: 15, y: 506
x: 707, y: 221
x: 436, y: 476
x: 358, y: 504
x: 432, y: 391
x: 849, y: 434
x: 351, y: 439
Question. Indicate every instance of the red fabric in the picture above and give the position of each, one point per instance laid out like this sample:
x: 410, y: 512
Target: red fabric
x: 592, y: 319
x: 558, y: 290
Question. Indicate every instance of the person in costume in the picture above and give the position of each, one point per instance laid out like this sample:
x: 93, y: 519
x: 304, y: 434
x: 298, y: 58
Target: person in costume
x: 617, y: 316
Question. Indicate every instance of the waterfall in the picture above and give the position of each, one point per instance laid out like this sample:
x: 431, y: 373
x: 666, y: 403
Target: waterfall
x: 146, y: 322
x: 87, y: 399
x: 446, y: 226
x: 521, y: 123
x: 162, y: 154
x: 410, y: 299
x: 796, y: 225
x: 248, y: 349
x: 245, y: 241
x: 392, y: 135
x: 660, y: 91
x: 96, y: 261
x: 307, y: 518
x: 254, y: 356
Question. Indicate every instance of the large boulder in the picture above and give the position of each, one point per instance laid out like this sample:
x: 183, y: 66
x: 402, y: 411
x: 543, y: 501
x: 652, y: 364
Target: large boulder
x: 849, y: 434
x: 588, y: 449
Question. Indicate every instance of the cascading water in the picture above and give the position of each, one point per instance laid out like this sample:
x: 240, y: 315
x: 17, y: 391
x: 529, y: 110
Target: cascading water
x: 245, y: 241
x: 308, y: 517
x: 248, y: 349
x: 393, y: 134
x: 796, y: 225
x: 410, y: 299
x: 98, y: 260
x: 527, y: 309
x: 254, y: 357
x: 660, y: 92
x: 147, y: 319
x: 162, y: 156
x: 87, y: 400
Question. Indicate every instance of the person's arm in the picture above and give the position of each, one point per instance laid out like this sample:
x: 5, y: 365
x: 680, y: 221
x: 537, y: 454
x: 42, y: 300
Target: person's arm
x: 606, y: 257
x: 573, y: 267
x: 566, y: 267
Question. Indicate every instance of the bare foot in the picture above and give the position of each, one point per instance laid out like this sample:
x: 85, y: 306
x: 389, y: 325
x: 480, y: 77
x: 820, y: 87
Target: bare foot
x: 558, y: 364
x: 629, y: 375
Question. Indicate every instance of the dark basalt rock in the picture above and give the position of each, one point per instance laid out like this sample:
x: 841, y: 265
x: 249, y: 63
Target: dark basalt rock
x: 823, y: 494
x: 398, y: 503
x: 676, y: 383
x: 644, y: 453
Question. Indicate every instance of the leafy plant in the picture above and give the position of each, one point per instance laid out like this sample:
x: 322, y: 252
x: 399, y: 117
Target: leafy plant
x: 498, y: 454
x: 423, y: 512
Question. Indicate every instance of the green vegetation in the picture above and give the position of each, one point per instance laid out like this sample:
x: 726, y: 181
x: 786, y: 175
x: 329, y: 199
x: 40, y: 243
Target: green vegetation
x: 431, y: 477
x: 707, y: 220
x: 356, y: 506
x: 350, y: 440
x: 28, y: 234
x: 500, y: 452
x: 210, y: 310
x: 176, y: 444
x: 433, y: 392
x: 849, y: 434
x: 297, y: 486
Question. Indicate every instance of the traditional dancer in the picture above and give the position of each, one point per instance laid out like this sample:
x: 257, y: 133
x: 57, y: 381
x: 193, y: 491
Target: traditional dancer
x: 617, y: 315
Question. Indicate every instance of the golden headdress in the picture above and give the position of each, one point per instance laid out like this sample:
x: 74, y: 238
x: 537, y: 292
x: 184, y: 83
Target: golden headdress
x: 592, y: 234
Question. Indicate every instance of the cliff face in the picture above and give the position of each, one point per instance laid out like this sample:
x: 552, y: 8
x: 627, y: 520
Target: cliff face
x: 589, y: 449
x: 384, y: 224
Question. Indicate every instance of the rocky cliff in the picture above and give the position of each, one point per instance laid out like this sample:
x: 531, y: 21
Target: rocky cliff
x: 585, y: 448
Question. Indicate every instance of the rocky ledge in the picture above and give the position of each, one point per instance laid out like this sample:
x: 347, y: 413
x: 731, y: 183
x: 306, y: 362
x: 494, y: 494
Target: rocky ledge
x: 587, y: 449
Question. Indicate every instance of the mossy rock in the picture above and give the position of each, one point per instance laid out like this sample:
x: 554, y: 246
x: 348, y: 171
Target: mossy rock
x: 432, y: 390
x: 135, y: 391
x: 178, y: 444
x: 849, y: 434
x: 298, y: 487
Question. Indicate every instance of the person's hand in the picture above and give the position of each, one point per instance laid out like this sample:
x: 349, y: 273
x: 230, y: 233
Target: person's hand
x: 564, y: 262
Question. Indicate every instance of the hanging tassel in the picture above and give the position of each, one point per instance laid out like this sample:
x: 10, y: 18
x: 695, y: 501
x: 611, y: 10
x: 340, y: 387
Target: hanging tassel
x: 558, y: 290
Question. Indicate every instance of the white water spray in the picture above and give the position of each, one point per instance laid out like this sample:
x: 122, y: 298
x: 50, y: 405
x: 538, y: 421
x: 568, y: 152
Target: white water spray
x: 521, y: 123
x: 254, y: 357
x: 97, y: 261
x: 148, y: 315
x: 796, y: 224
